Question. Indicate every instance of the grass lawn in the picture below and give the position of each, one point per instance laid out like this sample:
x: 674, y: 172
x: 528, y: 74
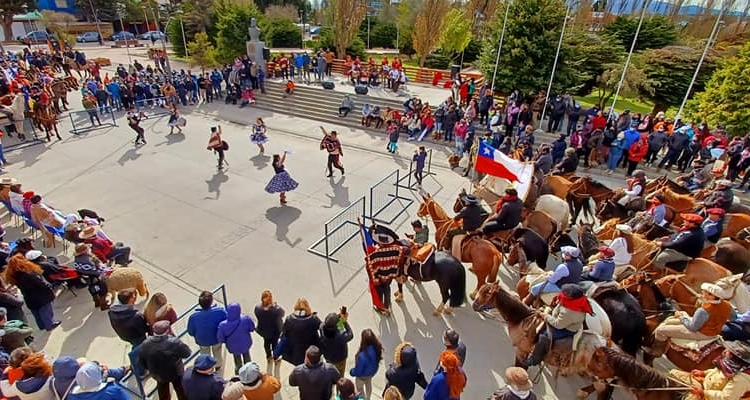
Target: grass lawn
x: 634, y: 105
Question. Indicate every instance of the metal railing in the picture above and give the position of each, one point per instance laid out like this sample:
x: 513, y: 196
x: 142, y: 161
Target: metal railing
x: 140, y: 390
x: 410, y: 179
x: 30, y: 133
x: 339, y: 230
x: 81, y: 122
x: 383, y: 194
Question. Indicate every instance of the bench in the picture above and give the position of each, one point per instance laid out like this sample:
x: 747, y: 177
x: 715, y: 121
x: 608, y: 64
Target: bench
x: 127, y: 43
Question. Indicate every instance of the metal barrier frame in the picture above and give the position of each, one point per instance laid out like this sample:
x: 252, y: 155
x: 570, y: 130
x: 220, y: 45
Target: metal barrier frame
x: 410, y: 176
x: 141, y: 393
x: 330, y: 230
x: 77, y: 131
x: 28, y: 142
x: 394, y: 197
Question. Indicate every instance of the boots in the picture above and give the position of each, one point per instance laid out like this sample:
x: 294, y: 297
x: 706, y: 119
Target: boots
x: 97, y: 303
x: 540, y: 350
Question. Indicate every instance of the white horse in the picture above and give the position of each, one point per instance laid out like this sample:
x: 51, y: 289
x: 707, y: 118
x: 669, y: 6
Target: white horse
x: 16, y: 116
x: 556, y: 207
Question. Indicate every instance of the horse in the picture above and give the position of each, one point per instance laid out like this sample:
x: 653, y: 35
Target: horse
x: 654, y: 304
x: 541, y: 223
x: 643, y: 223
x: 612, y: 209
x: 644, y: 382
x: 606, y: 231
x: 588, y: 243
x: 560, y: 240
x: 664, y: 182
x: 440, y: 267
x: 46, y: 119
x: 556, y: 207
x: 730, y: 253
x: 59, y: 90
x: 530, y: 244
x: 523, y: 322
x: 681, y: 203
x: 483, y: 255
x: 582, y: 191
x: 555, y: 185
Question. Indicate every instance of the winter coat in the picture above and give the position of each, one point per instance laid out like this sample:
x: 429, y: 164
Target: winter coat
x: 558, y: 149
x: 315, y: 382
x: 678, y: 141
x: 200, y: 386
x: 269, y: 320
x: 162, y: 356
x: 203, y: 324
x: 688, y: 242
x: 405, y: 374
x: 13, y: 304
x: 334, y: 342
x: 129, y: 324
x: 111, y: 391
x: 35, y: 388
x: 264, y: 389
x: 656, y: 140
x: 637, y: 152
x: 437, y: 389
x: 366, y: 365
x: 631, y: 136
x: 35, y: 289
x: 16, y: 334
x: 301, y: 332
x: 235, y: 330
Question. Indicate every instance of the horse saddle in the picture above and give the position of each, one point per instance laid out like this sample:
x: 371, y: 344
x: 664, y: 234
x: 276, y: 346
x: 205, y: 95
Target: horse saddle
x: 420, y: 254
x: 600, y: 287
x: 624, y: 271
x: 695, y: 350
x: 536, y: 278
x: 457, y: 246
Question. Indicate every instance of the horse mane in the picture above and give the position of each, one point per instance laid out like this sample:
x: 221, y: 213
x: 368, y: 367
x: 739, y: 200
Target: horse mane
x: 440, y: 213
x: 633, y: 374
x: 658, y: 295
x: 511, y: 306
x: 596, y: 184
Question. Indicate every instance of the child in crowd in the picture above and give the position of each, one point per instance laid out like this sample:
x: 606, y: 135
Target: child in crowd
x: 289, y: 88
x: 392, y: 131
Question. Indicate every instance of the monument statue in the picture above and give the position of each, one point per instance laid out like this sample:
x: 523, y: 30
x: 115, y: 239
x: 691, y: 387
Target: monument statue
x: 254, y: 31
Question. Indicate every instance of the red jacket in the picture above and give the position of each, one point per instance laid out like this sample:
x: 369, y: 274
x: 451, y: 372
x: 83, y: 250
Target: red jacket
x: 637, y: 151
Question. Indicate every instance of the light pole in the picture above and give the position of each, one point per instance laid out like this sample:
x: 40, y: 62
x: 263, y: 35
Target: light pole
x: 302, y: 28
x: 146, y: 17
x: 167, y: 66
x: 627, y: 60
x: 182, y: 28
x: 500, y: 44
x: 554, y: 64
x: 709, y: 43
x: 96, y: 19
x: 127, y: 48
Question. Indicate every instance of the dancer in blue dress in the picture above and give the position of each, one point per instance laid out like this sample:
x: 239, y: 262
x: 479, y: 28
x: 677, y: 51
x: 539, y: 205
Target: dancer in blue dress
x: 281, y: 182
x: 259, y: 134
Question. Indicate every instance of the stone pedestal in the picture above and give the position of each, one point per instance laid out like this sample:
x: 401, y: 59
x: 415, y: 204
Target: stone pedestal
x: 255, y: 53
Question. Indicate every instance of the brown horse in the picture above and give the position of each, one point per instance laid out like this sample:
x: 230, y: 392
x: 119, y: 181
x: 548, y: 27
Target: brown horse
x: 664, y: 182
x: 583, y: 190
x: 483, y: 255
x: 46, y: 119
x: 681, y: 203
x: 557, y: 185
x: 59, y: 90
x: 654, y: 304
x: 731, y: 253
x: 541, y: 223
x: 523, y: 323
x: 641, y: 380
x: 606, y: 231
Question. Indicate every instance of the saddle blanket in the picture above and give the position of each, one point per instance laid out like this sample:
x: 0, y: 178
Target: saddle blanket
x: 422, y: 253
x: 695, y: 350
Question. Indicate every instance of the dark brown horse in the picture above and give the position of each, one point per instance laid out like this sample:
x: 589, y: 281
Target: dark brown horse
x: 582, y: 191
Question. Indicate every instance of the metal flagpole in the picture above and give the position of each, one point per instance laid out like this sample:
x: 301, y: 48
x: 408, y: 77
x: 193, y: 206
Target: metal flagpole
x: 554, y: 64
x: 630, y: 55
x: 500, y: 44
x: 711, y: 38
x: 127, y: 48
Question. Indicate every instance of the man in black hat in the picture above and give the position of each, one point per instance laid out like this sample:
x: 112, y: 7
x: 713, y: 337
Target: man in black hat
x: 507, y: 213
x: 472, y: 216
x: 382, y: 267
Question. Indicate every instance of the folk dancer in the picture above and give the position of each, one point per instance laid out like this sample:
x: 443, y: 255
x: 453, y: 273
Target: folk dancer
x: 332, y: 145
x: 281, y: 182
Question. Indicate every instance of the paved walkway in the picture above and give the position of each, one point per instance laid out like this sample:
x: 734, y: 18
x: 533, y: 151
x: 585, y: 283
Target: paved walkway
x: 194, y: 228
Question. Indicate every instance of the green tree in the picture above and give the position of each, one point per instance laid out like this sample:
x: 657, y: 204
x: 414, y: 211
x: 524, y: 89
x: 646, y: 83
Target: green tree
x: 725, y: 100
x: 232, y: 20
x: 669, y: 71
x: 635, y: 82
x: 201, y: 52
x: 133, y: 10
x: 106, y: 10
x: 529, y: 46
x: 657, y: 31
x: 345, y: 17
x: 282, y: 33
x: 384, y: 35
x: 198, y: 16
x: 9, y: 9
x: 407, y: 16
x: 174, y: 34
x: 587, y: 56
x: 59, y: 24
x: 456, y: 33
x: 428, y: 27
x: 357, y: 48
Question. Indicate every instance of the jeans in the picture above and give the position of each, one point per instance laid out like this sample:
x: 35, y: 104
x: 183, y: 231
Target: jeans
x: 94, y: 116
x: 120, y: 254
x: 670, y: 159
x: 392, y: 147
x: 544, y: 287
x: 217, y: 351
x: 333, y: 161
x: 2, y: 155
x: 418, y: 175
x: 162, y: 387
x: 44, y: 316
x: 632, y: 165
x: 268, y: 344
x: 364, y: 386
x: 612, y: 160
x: 344, y: 111
x: 460, y: 146
x: 240, y: 360
x: 448, y: 133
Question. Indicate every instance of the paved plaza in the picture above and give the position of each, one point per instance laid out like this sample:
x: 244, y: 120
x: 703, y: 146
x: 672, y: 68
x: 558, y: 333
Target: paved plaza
x: 193, y: 228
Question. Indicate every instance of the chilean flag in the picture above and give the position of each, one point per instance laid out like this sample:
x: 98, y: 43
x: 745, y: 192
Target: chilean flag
x: 493, y: 162
x: 368, y: 245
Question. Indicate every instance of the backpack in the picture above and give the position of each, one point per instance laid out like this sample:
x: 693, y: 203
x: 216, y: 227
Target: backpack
x: 224, y: 145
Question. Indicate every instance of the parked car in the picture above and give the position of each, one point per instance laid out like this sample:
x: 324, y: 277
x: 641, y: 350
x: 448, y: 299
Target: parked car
x: 37, y: 37
x: 88, y: 37
x: 157, y: 35
x: 122, y: 35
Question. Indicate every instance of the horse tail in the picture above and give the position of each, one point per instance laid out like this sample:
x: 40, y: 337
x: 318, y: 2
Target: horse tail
x: 458, y: 287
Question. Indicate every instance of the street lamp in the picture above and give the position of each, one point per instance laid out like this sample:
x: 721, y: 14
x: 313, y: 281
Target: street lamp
x: 500, y: 44
x: 146, y: 17
x: 302, y: 29
x: 127, y: 48
x: 96, y: 19
x: 554, y: 64
x: 163, y: 43
x: 627, y: 60
x: 709, y: 43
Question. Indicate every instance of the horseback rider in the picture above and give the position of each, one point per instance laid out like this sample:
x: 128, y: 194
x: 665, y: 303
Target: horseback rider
x: 705, y: 324
x: 603, y: 270
x: 471, y: 217
x: 685, y: 244
x: 730, y: 380
x: 507, y: 213
x: 635, y: 190
x: 622, y: 245
x: 568, y: 272
x: 565, y: 320
x: 713, y: 225
x: 421, y: 233
x: 569, y: 164
x: 657, y: 210
x: 697, y: 179
x: 721, y: 197
x: 544, y: 161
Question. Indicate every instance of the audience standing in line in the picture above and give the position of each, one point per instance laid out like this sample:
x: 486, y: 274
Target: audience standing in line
x: 335, y: 335
x: 162, y: 356
x: 367, y: 362
x: 203, y: 325
x: 270, y: 319
x: 314, y: 378
x: 202, y: 382
x: 252, y: 385
x: 235, y: 332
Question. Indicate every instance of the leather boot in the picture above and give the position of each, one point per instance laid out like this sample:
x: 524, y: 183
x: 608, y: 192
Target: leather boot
x: 540, y: 350
x: 103, y: 303
x: 97, y: 302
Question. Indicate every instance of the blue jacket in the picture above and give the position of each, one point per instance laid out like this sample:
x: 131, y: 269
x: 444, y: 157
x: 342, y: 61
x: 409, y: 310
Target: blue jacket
x: 114, y: 90
x: 366, y: 364
x: 235, y: 330
x: 298, y: 61
x: 203, y: 324
x: 437, y: 389
x: 110, y: 392
x: 631, y: 135
x: 603, y: 271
